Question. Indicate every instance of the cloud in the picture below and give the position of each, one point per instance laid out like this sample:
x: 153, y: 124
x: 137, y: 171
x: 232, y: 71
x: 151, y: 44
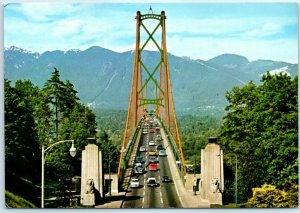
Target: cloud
x: 40, y: 27
x: 246, y: 27
x: 253, y: 49
x: 45, y: 11
x: 67, y: 27
x: 267, y: 29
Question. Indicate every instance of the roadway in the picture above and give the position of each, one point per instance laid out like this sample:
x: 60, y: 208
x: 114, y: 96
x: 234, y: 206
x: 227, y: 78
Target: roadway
x: 163, y: 196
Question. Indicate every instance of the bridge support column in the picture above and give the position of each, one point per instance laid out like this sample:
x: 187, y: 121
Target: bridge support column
x: 212, y: 173
x: 92, y: 177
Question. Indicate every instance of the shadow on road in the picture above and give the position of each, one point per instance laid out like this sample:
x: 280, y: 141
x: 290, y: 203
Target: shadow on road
x: 114, y: 198
x: 120, y: 197
x: 133, y: 197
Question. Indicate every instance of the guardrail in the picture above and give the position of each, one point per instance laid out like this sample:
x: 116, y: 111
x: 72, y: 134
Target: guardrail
x: 175, y: 150
x: 128, y: 150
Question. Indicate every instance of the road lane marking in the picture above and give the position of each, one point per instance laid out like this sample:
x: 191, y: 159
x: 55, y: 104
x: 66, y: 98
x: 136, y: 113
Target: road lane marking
x: 161, y: 199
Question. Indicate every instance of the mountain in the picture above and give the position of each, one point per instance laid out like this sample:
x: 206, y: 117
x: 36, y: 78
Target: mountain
x: 103, y: 77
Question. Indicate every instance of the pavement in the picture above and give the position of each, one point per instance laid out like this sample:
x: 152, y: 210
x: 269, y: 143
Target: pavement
x: 186, y: 196
x: 115, y: 201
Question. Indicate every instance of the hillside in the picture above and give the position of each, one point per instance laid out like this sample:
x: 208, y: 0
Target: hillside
x: 103, y: 77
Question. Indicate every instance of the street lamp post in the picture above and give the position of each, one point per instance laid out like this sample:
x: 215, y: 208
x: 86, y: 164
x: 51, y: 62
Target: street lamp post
x: 235, y: 180
x: 236, y: 164
x: 44, y: 151
x: 109, y: 172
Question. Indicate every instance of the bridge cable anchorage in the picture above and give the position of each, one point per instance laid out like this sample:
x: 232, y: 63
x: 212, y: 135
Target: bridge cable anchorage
x: 151, y: 94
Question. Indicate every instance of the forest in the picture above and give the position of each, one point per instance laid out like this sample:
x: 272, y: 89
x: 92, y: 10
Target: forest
x: 260, y: 129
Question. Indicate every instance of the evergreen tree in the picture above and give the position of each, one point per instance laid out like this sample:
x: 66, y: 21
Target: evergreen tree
x: 54, y: 90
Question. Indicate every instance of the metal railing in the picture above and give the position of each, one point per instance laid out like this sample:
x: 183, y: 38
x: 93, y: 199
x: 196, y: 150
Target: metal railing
x: 175, y: 150
x: 128, y: 150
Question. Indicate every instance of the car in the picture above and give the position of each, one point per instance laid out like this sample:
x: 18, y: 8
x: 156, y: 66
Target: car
x: 152, y: 130
x: 142, y: 149
x: 134, y: 183
x: 157, y: 128
x: 159, y: 147
x: 166, y: 178
x: 153, y: 159
x: 139, y: 159
x: 152, y: 143
x: 151, y: 181
x: 152, y: 152
x: 153, y: 167
x: 145, y: 131
x: 158, y: 137
x: 138, y: 168
x: 162, y: 152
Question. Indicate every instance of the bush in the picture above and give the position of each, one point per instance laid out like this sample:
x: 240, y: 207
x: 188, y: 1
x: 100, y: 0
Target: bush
x: 268, y: 196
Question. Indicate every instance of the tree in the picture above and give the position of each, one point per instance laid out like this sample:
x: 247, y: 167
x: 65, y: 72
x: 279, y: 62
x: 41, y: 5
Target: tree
x: 54, y: 90
x: 110, y: 153
x: 261, y: 127
x: 70, y: 97
x: 21, y: 146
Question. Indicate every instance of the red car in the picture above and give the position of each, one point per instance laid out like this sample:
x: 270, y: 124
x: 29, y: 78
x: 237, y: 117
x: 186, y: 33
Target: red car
x: 152, y: 130
x: 153, y: 167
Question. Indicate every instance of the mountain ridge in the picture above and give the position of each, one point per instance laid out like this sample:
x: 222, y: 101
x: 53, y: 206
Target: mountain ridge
x: 102, y: 77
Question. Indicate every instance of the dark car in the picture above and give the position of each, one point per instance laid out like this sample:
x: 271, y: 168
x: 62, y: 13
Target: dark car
x: 159, y: 147
x: 166, y: 179
x: 153, y: 159
x: 139, y: 159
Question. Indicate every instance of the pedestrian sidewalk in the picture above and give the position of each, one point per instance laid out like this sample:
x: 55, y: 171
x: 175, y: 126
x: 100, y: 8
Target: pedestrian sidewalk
x: 114, y: 201
x: 186, y: 197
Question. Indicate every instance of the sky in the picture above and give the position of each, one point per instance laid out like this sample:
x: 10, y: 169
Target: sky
x: 195, y: 30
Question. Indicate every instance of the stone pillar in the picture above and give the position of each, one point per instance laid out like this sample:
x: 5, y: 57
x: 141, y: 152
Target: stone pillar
x: 212, y: 174
x: 92, y: 177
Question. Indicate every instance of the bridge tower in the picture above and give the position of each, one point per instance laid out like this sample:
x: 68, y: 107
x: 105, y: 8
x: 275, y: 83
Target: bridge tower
x: 151, y: 85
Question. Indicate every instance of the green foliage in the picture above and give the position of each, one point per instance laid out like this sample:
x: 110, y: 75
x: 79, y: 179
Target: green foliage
x: 194, y: 131
x: 15, y: 201
x: 110, y: 151
x: 111, y: 124
x: 261, y: 127
x: 72, y: 120
x: 21, y: 146
x: 35, y: 117
x: 268, y: 196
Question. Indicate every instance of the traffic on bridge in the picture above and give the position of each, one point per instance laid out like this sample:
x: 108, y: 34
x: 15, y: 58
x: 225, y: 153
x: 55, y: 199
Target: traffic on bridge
x: 151, y: 184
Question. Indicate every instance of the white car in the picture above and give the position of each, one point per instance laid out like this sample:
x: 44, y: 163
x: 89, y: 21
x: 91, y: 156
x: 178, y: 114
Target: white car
x: 134, y: 183
x: 152, y: 143
x: 143, y: 149
x: 152, y: 182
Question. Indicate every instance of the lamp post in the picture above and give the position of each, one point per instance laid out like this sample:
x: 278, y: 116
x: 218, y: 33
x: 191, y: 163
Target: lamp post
x: 236, y: 164
x: 44, y: 151
x: 235, y: 180
x: 109, y: 172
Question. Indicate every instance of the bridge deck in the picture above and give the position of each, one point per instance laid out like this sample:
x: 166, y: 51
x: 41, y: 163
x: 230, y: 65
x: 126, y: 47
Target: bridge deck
x: 184, y: 196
